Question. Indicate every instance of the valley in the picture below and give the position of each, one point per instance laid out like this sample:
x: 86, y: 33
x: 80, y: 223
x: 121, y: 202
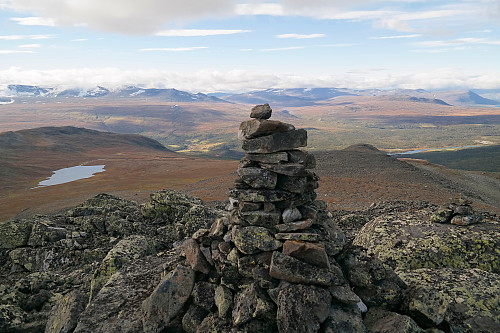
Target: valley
x: 392, y: 122
x: 202, y: 145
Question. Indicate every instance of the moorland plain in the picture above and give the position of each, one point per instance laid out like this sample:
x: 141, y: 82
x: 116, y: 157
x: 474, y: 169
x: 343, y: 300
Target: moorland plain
x: 389, y: 123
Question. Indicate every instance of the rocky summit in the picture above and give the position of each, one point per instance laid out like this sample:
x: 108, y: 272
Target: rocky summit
x: 274, y: 259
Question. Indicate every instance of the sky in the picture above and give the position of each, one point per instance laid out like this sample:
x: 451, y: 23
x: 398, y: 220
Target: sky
x: 233, y: 46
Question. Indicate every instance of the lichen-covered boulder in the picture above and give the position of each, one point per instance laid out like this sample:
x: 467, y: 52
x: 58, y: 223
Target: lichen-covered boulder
x: 250, y: 240
x: 374, y: 283
x: 178, y: 215
x: 466, y: 300
x: 117, y: 306
x: 45, y: 232
x: 411, y: 240
x: 345, y: 319
x: 126, y: 250
x: 167, y: 300
x: 381, y: 321
x: 15, y: 233
x: 107, y: 214
x: 302, y: 309
x: 65, y: 313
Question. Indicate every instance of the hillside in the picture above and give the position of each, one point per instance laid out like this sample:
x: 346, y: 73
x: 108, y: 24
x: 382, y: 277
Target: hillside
x: 134, y: 165
x: 352, y: 178
x: 473, y: 159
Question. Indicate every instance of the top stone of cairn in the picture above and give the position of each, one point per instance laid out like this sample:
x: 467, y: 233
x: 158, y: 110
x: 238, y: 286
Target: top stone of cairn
x: 261, y: 112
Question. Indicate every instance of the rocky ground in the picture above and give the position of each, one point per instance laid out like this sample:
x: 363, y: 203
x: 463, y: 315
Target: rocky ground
x: 91, y: 268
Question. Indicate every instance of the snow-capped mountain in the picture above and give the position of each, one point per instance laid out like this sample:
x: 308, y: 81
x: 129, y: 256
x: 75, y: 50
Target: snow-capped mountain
x: 25, y: 92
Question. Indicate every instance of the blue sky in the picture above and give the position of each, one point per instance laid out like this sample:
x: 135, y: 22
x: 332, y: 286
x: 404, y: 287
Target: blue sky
x: 223, y: 45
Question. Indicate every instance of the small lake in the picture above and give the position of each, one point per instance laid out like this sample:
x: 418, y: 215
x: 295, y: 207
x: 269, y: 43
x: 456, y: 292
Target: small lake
x: 67, y: 175
x: 433, y: 149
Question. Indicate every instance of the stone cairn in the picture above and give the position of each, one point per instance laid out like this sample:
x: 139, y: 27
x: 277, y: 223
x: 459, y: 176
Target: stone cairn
x: 268, y: 265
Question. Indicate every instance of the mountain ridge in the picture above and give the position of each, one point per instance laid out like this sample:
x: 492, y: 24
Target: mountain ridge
x: 296, y: 97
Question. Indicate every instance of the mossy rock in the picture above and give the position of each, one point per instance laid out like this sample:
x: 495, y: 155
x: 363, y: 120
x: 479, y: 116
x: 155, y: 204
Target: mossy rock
x: 107, y: 214
x: 469, y: 300
x: 15, y: 233
x: 411, y: 241
x: 126, y: 250
x: 181, y: 215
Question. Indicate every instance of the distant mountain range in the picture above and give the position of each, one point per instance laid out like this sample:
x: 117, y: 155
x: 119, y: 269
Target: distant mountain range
x: 289, y: 97
x: 294, y: 97
x: 311, y: 96
x: 166, y: 95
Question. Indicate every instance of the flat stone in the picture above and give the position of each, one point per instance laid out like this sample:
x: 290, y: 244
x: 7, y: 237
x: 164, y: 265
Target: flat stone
x: 195, y: 257
x: 302, y: 157
x: 268, y: 158
x: 302, y: 236
x: 302, y: 309
x: 245, y: 206
x: 167, y: 299
x: 291, y: 214
x: 288, y: 169
x: 443, y: 215
x: 256, y: 128
x: 248, y: 305
x: 284, y: 267
x: 260, y: 195
x: 461, y: 209
x: 258, y: 178
x: 294, y: 226
x: 344, y: 294
x: 466, y: 220
x: 261, y: 111
x: 269, y: 207
x: 218, y: 228
x: 276, y: 142
x: 310, y: 253
x: 208, y: 254
x: 251, y: 240
x: 261, y: 218
x: 203, y: 295
x: 223, y: 300
x: 346, y: 319
x: 247, y: 264
x: 308, y: 212
x: 381, y: 321
x: 193, y: 318
x: 292, y: 184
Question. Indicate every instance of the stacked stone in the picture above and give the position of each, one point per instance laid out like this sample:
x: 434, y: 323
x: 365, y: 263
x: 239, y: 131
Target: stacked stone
x: 265, y: 266
x: 270, y: 264
x: 459, y: 211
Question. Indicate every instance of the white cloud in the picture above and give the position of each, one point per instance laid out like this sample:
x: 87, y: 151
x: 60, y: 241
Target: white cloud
x: 129, y: 17
x: 197, y: 32
x: 398, y: 36
x: 30, y: 46
x: 299, y: 36
x: 458, y: 42
x: 283, y: 48
x: 40, y: 21
x: 15, y: 51
x: 79, y: 40
x: 21, y: 37
x: 272, y: 9
x: 174, y: 49
x: 245, y: 80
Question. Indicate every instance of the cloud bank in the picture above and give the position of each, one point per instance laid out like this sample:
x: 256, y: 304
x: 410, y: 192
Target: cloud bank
x: 128, y: 17
x: 244, y: 80
x: 150, y: 16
